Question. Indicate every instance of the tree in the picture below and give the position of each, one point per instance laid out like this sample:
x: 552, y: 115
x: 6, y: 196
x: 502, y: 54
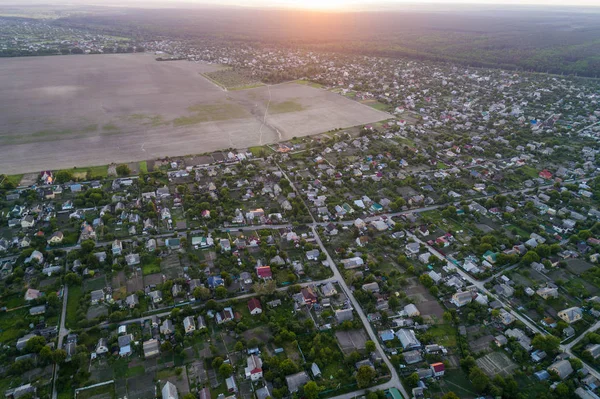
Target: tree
x: 201, y: 293
x: 123, y: 170
x: 413, y: 380
x: 63, y: 176
x: 450, y: 395
x: 221, y: 292
x: 225, y: 370
x: 530, y: 257
x: 217, y: 362
x: 88, y: 246
x: 479, y: 379
x: 370, y: 346
x: 426, y: 280
x: 72, y: 279
x: 311, y: 390
x: 35, y: 344
x: 166, y: 346
x: 365, y: 376
x: 59, y: 356
x: 546, y: 343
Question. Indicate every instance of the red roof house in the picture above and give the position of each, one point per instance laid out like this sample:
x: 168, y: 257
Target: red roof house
x: 438, y: 369
x: 264, y: 272
x: 254, y: 306
x: 545, y: 174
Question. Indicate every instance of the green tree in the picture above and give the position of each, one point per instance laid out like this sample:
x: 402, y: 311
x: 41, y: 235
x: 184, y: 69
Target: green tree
x: 311, y: 390
x: 365, y: 376
x: 370, y: 346
x: 35, y: 344
x: 479, y: 379
x: 530, y: 257
x: 63, y: 176
x: 225, y: 370
x: 546, y: 343
x: 123, y: 170
x: 413, y: 380
x: 221, y: 292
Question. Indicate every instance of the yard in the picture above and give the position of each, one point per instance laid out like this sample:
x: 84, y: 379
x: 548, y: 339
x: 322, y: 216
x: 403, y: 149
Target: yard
x: 73, y: 300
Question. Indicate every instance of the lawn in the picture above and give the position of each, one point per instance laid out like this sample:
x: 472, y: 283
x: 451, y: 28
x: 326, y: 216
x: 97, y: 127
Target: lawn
x: 8, y: 332
x: 13, y: 301
x: 150, y: 265
x: 457, y: 382
x: 73, y: 300
x: 135, y: 371
x: 444, y: 334
x: 529, y: 171
x: 378, y: 106
x: 94, y: 284
x: 143, y: 167
x: 96, y: 172
x: 14, y: 179
x: 260, y: 151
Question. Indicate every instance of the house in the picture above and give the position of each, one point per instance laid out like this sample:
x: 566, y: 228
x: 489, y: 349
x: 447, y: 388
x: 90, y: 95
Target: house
x: 37, y: 310
x: 231, y: 385
x: 342, y: 315
x: 27, y: 222
x: 506, y: 318
x: 438, y: 369
x: 254, y: 306
x: 169, y: 391
x: 156, y: 296
x: 117, y: 247
x: 308, y: 295
x: 264, y: 272
x: 520, y: 336
x: 295, y: 381
x: 352, y: 263
x: 412, y: 248
x: 547, y: 292
x: 23, y: 390
x: 315, y: 370
x: 167, y: 328
x: 132, y: 301
x: 32, y: 294
x: 371, y: 287
x: 412, y: 357
x: 37, y: 256
x: 201, y: 323
x: 96, y: 297
x: 151, y: 348
x: 124, y: 342
x: 328, y: 289
x: 132, y: 259
x: 313, y: 254
x: 55, y: 238
x: 461, y: 298
x: 408, y: 339
x: 562, y: 368
x: 189, y: 326
x: 225, y: 245
x: 254, y: 370
x: 224, y: 316
x: 204, y: 393
x: 411, y: 310
x: 101, y: 346
x: 593, y: 350
x: 571, y: 315
x: 215, y: 281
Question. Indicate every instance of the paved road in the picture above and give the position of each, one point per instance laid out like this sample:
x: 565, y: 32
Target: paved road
x: 395, y: 380
x: 62, y: 333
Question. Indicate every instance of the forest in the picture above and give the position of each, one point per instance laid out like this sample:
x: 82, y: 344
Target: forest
x: 541, y: 40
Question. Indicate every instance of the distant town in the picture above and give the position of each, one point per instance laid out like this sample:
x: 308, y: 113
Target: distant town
x: 450, y: 251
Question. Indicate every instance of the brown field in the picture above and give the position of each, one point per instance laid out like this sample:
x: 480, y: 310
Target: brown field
x: 60, y: 112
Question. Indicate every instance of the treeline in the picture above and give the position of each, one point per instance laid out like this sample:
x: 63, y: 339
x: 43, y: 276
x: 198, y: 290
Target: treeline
x: 539, y: 42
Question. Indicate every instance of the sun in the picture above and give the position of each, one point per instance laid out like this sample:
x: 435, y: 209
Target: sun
x: 317, y: 4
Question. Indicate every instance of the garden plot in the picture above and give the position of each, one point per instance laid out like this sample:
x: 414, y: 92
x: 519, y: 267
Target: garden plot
x: 496, y: 363
x: 351, y: 341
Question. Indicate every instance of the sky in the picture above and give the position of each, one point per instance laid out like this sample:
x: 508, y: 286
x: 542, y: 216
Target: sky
x: 348, y: 5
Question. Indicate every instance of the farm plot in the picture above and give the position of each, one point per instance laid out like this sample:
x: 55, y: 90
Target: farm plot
x: 352, y: 340
x: 125, y: 108
x: 496, y: 363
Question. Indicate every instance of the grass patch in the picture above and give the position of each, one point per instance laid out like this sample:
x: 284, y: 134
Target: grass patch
x: 260, y: 151
x: 150, y: 264
x: 73, y: 300
x: 96, y: 172
x: 378, y: 106
x: 441, y: 165
x: 211, y: 113
x: 308, y: 83
x: 444, y: 334
x: 14, y: 179
x: 13, y: 301
x: 8, y: 331
x: 529, y: 171
x: 285, y: 106
x: 94, y: 284
x: 143, y: 167
x: 135, y: 371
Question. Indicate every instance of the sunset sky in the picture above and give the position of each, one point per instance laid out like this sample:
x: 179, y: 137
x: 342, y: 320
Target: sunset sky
x: 362, y: 4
